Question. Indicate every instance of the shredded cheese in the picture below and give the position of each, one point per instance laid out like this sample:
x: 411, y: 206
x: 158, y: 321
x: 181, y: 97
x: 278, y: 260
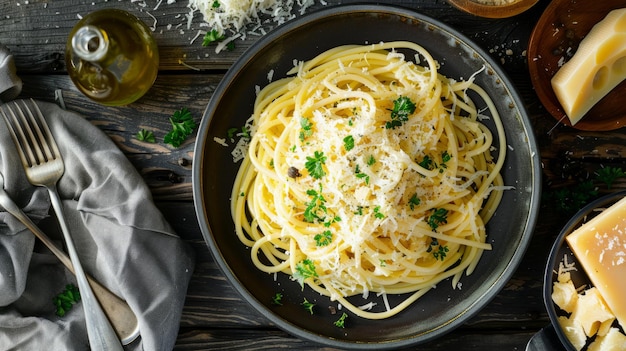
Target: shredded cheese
x: 231, y: 17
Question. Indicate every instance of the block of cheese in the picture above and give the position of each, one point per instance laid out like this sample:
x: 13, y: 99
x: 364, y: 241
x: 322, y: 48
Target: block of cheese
x: 600, y: 247
x: 597, y: 67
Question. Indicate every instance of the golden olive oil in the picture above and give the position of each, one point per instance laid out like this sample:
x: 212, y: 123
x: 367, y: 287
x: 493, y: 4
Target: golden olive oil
x: 112, y: 57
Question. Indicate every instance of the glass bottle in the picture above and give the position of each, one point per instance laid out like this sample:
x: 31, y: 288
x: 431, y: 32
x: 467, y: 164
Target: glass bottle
x: 112, y: 57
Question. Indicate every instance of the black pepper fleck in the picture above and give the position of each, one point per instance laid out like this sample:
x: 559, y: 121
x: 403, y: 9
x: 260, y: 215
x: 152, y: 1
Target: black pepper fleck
x: 293, y: 172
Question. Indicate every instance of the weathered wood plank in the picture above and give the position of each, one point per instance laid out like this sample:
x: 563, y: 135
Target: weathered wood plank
x: 36, y: 31
x: 167, y: 170
x: 236, y: 339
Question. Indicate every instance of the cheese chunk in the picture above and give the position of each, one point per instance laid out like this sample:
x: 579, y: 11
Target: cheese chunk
x: 600, y: 247
x: 597, y: 67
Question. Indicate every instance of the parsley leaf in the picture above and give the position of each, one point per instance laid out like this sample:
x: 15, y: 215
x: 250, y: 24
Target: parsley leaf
x: 608, y: 175
x: 360, y: 175
x: 414, y: 201
x: 306, y: 126
x: 569, y: 200
x: 308, y: 305
x: 304, y: 269
x: 348, y: 143
x: 66, y: 299
x: 324, y: 238
x: 146, y: 135
x: 427, y: 163
x: 182, y: 126
x: 316, y: 208
x: 277, y: 299
x: 341, y: 322
x: 439, y: 216
x: 377, y: 213
x: 445, y: 157
x: 371, y: 160
x: 403, y: 107
x: 212, y: 36
x: 314, y: 164
x: 441, y: 252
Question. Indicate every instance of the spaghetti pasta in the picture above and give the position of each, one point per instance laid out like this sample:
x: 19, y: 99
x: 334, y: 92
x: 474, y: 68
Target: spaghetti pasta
x: 367, y: 172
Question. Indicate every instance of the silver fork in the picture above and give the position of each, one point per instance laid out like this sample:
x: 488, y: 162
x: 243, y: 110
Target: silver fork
x: 44, y: 167
x: 120, y: 315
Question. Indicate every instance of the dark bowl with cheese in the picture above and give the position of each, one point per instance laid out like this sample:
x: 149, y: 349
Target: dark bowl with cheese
x: 554, y: 337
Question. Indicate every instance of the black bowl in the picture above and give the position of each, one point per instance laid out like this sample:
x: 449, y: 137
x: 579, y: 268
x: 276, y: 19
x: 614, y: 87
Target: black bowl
x: 560, y: 250
x: 436, y: 313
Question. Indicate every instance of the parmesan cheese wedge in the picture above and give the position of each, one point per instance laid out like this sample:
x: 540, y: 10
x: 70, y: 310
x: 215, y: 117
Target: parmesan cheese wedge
x: 600, y: 247
x: 597, y: 67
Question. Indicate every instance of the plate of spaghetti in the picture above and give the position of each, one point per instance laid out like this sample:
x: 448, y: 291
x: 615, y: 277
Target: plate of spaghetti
x: 372, y: 190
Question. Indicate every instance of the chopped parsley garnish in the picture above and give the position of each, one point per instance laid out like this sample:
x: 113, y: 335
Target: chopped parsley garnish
x: 182, y: 126
x: 304, y: 269
x: 216, y: 4
x: 441, y: 252
x: 331, y: 221
x: 243, y: 132
x: 427, y: 163
x: 211, y: 37
x: 307, y: 130
x: 377, y: 213
x: 371, y: 160
x: 359, y: 211
x: 316, y: 208
x: 445, y: 157
x: 66, y: 299
x: 414, y: 201
x: 438, y: 216
x: 324, y: 238
x: 277, y: 299
x: 308, y: 305
x: 348, y: 143
x: 341, y: 322
x: 608, y: 175
x: 364, y: 176
x: 314, y: 164
x: 146, y: 135
x: 360, y: 175
x: 403, y: 107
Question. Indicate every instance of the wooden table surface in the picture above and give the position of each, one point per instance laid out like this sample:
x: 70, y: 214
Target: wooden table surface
x: 214, y: 316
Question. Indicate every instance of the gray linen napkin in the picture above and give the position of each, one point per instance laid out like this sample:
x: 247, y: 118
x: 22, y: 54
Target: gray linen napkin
x: 121, y: 237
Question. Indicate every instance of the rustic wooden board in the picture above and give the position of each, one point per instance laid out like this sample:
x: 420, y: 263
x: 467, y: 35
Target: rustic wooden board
x: 215, y: 317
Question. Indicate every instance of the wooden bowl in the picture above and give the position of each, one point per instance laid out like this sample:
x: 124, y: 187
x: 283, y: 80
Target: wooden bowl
x: 553, y: 41
x: 493, y: 11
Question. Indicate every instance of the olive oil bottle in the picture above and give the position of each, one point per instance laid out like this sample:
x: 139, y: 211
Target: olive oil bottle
x: 112, y: 57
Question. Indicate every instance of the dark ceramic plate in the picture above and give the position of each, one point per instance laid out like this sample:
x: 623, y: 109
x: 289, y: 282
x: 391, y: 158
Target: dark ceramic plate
x: 559, y: 251
x: 562, y: 26
x: 438, y: 312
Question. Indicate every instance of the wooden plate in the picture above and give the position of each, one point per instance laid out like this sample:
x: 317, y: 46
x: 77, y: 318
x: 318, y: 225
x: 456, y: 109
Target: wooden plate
x: 553, y: 41
x: 493, y: 11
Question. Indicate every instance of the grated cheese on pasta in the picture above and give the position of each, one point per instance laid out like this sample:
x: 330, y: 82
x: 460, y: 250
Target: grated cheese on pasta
x: 231, y: 17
